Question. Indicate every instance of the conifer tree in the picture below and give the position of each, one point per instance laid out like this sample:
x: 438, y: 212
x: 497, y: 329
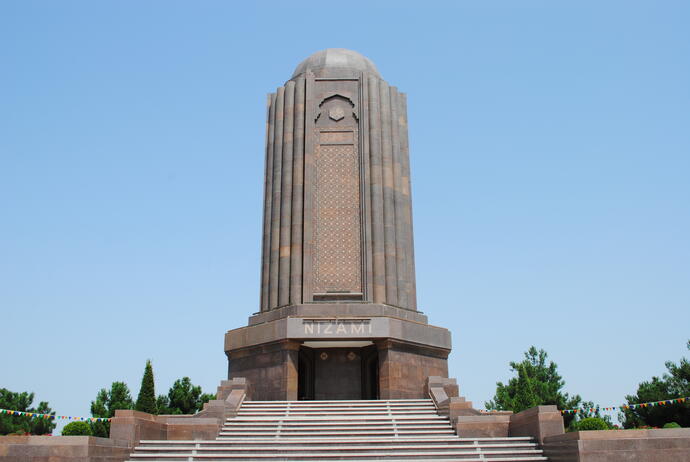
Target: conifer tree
x: 105, y: 405
x: 183, y: 398
x: 537, y: 383
x: 146, y: 401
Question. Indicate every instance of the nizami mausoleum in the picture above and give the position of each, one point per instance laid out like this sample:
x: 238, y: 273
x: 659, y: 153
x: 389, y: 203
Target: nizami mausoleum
x: 338, y: 313
x: 338, y: 363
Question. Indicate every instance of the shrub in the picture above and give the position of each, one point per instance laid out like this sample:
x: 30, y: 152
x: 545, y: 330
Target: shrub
x: 671, y: 425
x: 590, y: 423
x: 77, y: 429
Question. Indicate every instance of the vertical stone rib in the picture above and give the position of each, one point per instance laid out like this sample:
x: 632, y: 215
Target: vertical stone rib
x: 388, y: 197
x: 307, y: 197
x: 297, y: 196
x: 377, y: 232
x: 268, y: 193
x: 275, y: 211
x: 407, y: 191
x: 399, y: 200
x: 286, y: 196
x: 365, y: 168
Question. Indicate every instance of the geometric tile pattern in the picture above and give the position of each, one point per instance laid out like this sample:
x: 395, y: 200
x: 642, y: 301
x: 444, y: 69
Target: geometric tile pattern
x: 337, y: 264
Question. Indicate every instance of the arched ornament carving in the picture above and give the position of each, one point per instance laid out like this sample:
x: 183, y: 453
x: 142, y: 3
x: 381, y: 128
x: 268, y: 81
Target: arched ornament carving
x: 337, y: 113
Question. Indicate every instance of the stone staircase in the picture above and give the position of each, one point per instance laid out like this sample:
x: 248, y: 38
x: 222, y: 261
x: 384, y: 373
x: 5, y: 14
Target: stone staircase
x: 391, y: 430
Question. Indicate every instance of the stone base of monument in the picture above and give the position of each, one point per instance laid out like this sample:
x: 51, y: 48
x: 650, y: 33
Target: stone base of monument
x: 545, y: 425
x: 649, y: 445
x: 331, y: 351
x: 538, y: 422
x: 63, y: 449
x: 342, y: 430
x: 443, y: 426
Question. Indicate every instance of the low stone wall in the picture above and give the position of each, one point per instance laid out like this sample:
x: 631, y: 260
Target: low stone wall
x: 127, y: 428
x: 492, y: 425
x: 134, y: 426
x: 538, y: 422
x: 191, y: 428
x: 445, y: 394
x: 659, y: 445
x: 62, y: 449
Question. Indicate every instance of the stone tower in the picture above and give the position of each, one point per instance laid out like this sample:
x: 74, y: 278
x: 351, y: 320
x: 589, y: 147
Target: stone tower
x: 338, y: 314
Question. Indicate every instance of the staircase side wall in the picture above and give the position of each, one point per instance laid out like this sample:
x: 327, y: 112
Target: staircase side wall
x: 657, y: 445
x: 538, y: 422
x: 63, y: 448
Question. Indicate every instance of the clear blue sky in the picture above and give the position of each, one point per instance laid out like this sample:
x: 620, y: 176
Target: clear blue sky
x: 550, y: 146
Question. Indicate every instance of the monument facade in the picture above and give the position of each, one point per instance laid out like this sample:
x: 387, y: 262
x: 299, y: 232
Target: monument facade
x: 338, y: 312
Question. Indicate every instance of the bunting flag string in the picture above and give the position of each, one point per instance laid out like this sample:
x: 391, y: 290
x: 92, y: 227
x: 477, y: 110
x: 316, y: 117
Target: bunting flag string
x: 55, y: 417
x: 665, y: 402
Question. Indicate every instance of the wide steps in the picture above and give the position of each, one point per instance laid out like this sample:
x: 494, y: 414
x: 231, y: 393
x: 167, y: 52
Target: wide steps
x: 488, y: 442
x: 390, y: 430
x: 350, y: 419
x: 339, y: 455
x: 244, y: 446
x: 333, y: 434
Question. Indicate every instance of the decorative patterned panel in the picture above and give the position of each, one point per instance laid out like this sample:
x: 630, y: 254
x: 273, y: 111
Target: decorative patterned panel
x: 337, y: 247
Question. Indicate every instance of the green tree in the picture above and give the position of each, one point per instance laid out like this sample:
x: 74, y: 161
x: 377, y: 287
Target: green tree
x: 205, y: 398
x: 78, y: 428
x: 162, y: 404
x: 183, y: 398
x: 23, y: 424
x: 588, y: 410
x: 146, y: 401
x: 105, y: 405
x: 590, y: 423
x: 673, y: 384
x: 537, y: 383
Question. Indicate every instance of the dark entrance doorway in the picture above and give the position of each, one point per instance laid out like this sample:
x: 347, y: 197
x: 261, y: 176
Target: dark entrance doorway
x: 338, y: 373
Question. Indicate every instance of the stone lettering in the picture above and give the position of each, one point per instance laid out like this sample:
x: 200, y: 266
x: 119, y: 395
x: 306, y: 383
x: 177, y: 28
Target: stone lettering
x: 337, y: 327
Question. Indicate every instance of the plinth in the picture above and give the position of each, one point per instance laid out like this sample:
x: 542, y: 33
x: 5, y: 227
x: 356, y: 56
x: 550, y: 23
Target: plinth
x: 338, y: 351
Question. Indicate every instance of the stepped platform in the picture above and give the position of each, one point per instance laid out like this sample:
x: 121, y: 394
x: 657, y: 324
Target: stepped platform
x: 361, y: 430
